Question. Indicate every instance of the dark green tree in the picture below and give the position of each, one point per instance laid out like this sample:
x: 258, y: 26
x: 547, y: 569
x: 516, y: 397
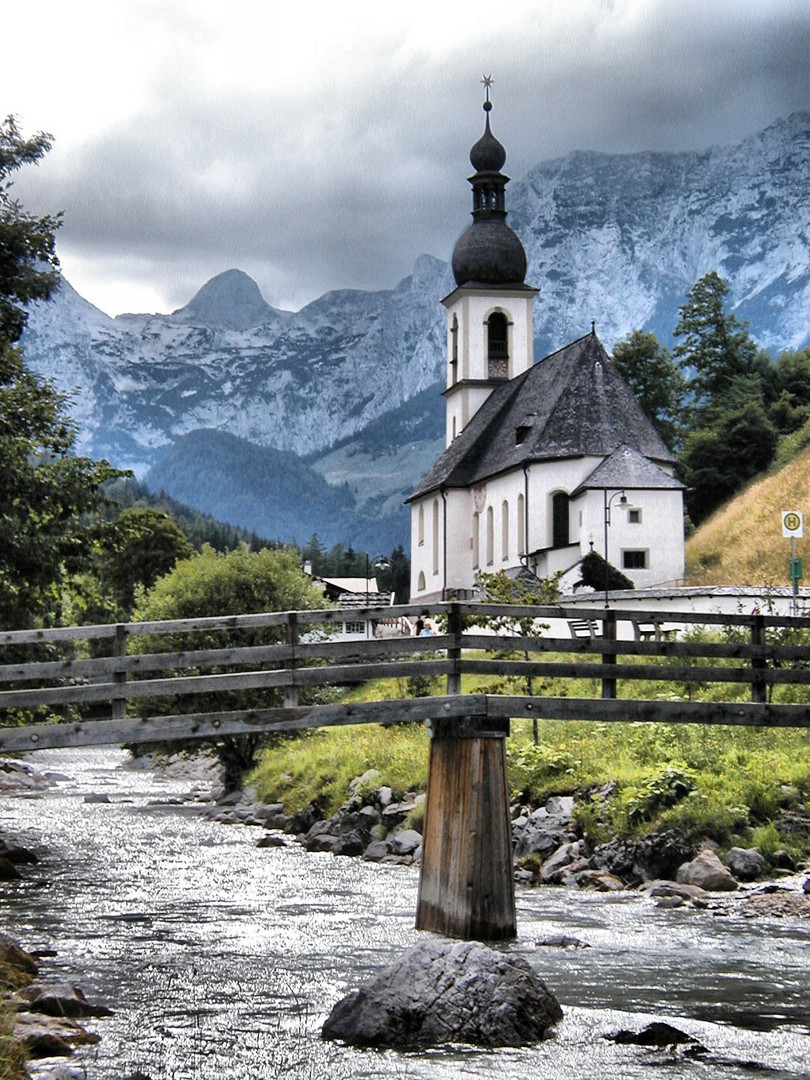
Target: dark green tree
x: 237, y: 583
x: 715, y: 348
x: 396, y: 577
x: 29, y: 268
x: 596, y: 573
x: 656, y: 380
x: 135, y: 550
x: 46, y: 493
x: 717, y: 460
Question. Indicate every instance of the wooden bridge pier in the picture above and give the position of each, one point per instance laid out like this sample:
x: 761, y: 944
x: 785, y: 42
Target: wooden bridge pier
x: 466, y: 885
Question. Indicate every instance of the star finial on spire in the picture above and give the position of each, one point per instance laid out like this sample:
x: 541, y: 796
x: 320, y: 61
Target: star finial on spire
x: 487, y: 81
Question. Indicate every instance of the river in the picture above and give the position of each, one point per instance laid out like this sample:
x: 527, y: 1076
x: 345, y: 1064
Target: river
x: 222, y: 960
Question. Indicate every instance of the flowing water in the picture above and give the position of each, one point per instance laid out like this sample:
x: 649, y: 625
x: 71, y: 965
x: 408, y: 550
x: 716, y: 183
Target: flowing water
x: 222, y: 960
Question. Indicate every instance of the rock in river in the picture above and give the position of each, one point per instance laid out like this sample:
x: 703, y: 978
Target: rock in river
x: 442, y: 992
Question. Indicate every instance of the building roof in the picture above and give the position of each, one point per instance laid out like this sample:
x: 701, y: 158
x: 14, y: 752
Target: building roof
x: 351, y: 584
x: 573, y: 403
x: 627, y: 468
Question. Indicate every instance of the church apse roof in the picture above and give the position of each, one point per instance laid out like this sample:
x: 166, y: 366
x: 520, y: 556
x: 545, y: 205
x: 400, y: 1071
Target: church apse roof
x: 627, y: 469
x: 573, y: 403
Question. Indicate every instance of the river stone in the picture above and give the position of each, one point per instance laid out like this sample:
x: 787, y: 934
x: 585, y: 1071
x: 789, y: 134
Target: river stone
x: 746, y: 864
x: 60, y: 999
x: 655, y: 856
x: 442, y: 992
x: 12, y: 956
x: 8, y: 871
x: 377, y: 850
x: 49, y: 1036
x: 405, y: 842
x: 655, y: 1034
x: 600, y: 880
x: 708, y: 872
x: 555, y: 865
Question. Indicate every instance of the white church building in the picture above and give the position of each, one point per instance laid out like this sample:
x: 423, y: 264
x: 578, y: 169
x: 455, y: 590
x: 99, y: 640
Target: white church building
x: 544, y: 461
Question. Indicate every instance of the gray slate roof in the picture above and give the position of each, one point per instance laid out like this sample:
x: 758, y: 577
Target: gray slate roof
x: 573, y: 403
x: 627, y: 468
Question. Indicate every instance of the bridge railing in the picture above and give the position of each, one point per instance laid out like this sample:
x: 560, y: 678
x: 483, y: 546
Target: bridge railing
x: 117, y: 683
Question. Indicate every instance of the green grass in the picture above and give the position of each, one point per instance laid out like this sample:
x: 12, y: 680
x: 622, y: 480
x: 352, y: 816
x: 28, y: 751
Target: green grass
x: 318, y: 768
x: 713, y: 782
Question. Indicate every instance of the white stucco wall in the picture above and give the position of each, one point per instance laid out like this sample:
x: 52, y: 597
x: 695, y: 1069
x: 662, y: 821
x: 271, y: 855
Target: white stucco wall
x: 658, y: 533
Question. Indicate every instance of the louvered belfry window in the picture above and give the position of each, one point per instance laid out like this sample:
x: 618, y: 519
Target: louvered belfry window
x: 497, y: 346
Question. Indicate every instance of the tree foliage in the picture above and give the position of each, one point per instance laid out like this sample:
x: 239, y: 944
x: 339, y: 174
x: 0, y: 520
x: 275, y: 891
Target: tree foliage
x: 29, y: 268
x: 46, y: 493
x: 656, y: 380
x: 236, y: 583
x: 715, y: 348
x: 596, y: 573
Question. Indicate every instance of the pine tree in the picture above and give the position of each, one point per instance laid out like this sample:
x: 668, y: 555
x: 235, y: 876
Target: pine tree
x: 715, y: 348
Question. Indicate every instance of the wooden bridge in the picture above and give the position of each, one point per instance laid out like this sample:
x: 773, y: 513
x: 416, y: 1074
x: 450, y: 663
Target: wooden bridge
x: 137, y: 682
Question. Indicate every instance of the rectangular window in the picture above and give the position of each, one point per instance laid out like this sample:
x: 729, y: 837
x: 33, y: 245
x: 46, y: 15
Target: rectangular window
x: 634, y: 560
x: 634, y: 516
x: 354, y: 628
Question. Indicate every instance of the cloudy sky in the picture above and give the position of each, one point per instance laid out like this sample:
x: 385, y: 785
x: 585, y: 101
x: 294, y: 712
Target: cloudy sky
x: 324, y: 145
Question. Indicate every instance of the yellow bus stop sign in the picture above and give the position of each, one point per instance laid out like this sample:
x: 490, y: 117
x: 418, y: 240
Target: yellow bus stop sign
x: 792, y: 524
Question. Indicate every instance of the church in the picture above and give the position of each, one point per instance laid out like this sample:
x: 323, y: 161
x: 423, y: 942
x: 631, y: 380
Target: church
x: 544, y: 461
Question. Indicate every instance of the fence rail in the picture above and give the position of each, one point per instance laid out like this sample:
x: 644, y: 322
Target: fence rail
x: 289, y: 655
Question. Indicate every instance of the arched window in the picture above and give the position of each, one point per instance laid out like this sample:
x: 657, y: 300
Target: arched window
x: 476, y: 540
x: 435, y: 536
x: 521, y: 523
x: 559, y: 517
x: 505, y: 530
x: 497, y: 346
x: 421, y: 524
x: 490, y: 536
x: 454, y: 351
x: 420, y: 585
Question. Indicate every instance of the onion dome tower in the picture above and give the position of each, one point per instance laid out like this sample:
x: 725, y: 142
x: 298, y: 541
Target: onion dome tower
x: 488, y: 252
x: 489, y: 313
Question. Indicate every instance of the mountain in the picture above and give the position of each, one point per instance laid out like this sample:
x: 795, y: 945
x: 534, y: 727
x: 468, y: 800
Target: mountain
x: 656, y: 223
x: 352, y: 382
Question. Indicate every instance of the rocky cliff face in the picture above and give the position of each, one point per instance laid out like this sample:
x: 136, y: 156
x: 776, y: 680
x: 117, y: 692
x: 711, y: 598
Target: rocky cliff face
x: 615, y: 238
x: 621, y: 238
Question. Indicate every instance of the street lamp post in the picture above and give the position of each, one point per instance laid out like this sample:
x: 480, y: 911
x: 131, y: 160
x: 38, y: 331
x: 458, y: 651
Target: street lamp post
x: 620, y: 495
x: 380, y: 563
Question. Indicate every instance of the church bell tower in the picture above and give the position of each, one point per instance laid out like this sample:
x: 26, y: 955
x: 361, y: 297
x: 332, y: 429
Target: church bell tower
x: 489, y: 313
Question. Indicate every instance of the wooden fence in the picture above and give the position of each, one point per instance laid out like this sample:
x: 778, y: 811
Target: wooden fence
x: 113, y: 684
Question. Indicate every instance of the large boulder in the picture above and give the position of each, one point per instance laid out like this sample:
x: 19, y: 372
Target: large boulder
x: 746, y: 864
x: 443, y: 992
x: 655, y: 856
x: 546, y: 829
x: 708, y: 872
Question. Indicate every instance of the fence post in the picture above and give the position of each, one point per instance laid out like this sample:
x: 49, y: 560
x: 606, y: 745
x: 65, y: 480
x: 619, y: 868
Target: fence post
x: 119, y: 704
x: 290, y: 689
x: 454, y: 653
x: 609, y: 634
x: 759, y: 687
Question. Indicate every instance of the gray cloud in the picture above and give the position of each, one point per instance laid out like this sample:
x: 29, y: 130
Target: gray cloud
x: 344, y: 186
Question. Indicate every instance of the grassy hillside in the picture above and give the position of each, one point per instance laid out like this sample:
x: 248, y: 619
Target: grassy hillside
x: 742, y: 543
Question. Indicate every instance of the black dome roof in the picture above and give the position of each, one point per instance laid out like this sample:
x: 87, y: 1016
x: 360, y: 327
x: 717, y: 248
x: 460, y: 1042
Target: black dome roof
x: 489, y: 253
x: 487, y: 155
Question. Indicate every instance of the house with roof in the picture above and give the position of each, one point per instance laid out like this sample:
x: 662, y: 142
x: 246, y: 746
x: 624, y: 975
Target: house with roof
x: 544, y: 461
